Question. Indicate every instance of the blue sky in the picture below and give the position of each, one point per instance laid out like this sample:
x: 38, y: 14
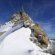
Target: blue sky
x: 41, y: 11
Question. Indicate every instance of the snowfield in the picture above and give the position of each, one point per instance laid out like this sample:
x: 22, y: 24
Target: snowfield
x: 18, y: 43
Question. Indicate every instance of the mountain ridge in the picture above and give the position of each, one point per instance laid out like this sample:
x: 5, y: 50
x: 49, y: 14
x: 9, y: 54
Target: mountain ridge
x: 17, y: 22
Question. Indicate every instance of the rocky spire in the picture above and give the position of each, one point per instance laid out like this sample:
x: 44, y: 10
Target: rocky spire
x: 23, y: 17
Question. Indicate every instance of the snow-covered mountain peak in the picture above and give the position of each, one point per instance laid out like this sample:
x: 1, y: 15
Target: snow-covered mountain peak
x: 15, y: 36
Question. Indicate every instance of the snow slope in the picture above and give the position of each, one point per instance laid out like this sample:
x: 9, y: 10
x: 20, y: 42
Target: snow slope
x: 18, y: 43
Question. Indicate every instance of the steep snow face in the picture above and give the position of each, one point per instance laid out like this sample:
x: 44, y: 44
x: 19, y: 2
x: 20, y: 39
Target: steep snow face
x: 18, y: 43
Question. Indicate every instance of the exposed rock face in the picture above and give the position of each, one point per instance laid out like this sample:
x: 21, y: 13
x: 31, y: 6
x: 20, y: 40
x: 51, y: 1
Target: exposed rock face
x: 21, y: 17
x: 39, y: 34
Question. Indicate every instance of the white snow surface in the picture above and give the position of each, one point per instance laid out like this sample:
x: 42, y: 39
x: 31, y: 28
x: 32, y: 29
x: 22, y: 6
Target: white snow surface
x: 18, y: 43
x: 7, y: 26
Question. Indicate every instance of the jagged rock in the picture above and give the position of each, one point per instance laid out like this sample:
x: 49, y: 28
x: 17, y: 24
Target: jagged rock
x: 39, y: 34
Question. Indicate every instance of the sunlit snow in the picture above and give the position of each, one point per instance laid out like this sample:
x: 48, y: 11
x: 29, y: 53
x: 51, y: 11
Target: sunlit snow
x: 18, y: 43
